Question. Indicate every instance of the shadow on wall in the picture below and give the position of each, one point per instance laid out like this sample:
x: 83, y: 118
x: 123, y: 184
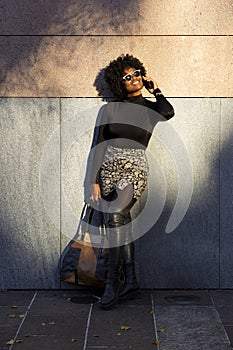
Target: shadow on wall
x: 102, y: 87
x: 197, y: 254
x: 28, y: 22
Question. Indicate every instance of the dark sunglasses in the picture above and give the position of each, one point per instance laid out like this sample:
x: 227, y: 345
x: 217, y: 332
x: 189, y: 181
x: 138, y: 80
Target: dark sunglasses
x: 128, y: 76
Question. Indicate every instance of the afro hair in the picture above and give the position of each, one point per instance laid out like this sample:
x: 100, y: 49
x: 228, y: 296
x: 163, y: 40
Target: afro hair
x: 115, y: 70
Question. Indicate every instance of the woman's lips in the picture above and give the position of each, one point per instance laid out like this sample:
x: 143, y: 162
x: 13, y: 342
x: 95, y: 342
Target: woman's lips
x: 135, y: 82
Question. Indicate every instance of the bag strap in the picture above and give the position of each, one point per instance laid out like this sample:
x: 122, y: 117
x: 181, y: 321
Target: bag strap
x: 77, y: 234
x: 85, y: 219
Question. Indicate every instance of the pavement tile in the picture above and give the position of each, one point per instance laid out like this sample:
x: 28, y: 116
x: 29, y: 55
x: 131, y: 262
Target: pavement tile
x: 7, y: 332
x: 57, y: 306
x: 18, y: 298
x: 9, y: 325
x: 64, y: 294
x: 67, y: 325
x: 49, y: 343
x: 229, y: 330
x: 52, y: 317
x: 139, y: 298
x: 222, y: 297
x: 105, y: 328
x: 191, y: 327
x: 226, y: 314
x: 54, y: 322
x: 223, y: 300
x: 160, y: 296
x: 6, y: 312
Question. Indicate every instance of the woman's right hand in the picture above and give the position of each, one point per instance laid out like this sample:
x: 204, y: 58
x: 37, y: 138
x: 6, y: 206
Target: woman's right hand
x: 95, y: 192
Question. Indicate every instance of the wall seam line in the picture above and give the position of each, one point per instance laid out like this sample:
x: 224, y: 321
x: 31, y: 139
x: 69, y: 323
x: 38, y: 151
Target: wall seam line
x: 59, y: 99
x: 115, y: 35
x: 220, y: 153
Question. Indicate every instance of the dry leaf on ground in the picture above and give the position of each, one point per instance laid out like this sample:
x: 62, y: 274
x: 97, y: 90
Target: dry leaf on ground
x: 161, y: 330
x: 19, y: 341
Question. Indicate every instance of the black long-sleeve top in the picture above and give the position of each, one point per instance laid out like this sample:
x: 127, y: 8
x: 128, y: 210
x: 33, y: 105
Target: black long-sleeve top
x: 127, y: 124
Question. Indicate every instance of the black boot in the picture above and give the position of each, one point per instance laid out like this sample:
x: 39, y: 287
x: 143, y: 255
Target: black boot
x: 130, y: 283
x: 113, y: 286
x: 114, y: 225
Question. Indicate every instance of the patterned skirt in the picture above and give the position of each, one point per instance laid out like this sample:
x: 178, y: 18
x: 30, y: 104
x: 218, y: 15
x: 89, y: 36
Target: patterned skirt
x: 124, y: 166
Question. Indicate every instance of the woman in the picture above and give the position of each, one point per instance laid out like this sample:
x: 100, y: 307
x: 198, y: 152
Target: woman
x: 119, y: 174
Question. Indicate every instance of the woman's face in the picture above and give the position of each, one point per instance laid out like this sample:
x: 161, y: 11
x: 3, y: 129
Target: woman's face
x: 134, y: 85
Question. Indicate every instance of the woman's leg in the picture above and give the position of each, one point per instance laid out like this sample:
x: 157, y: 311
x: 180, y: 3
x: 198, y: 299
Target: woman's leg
x: 127, y: 251
x: 130, y: 282
x: 116, y: 227
x: 114, y: 223
x: 118, y: 224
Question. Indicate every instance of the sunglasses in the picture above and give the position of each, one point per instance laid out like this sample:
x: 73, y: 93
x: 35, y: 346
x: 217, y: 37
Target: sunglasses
x: 128, y: 77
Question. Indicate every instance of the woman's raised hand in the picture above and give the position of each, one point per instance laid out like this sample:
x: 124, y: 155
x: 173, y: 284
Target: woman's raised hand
x: 149, y: 79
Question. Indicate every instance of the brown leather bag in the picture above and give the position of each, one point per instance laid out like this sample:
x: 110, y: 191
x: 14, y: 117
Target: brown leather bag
x: 85, y: 259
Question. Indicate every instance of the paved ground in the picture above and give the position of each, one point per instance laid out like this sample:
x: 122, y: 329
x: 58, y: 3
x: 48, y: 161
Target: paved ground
x: 72, y: 319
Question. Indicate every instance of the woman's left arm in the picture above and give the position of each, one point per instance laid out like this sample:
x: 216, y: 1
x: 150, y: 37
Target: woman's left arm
x: 162, y: 106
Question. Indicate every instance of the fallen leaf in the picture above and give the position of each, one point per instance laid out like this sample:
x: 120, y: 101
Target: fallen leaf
x: 125, y: 328
x: 156, y: 342
x: 19, y: 341
x: 151, y: 312
x: 73, y: 340
x: 21, y: 316
x: 12, y: 315
x: 43, y: 324
x: 52, y: 323
x: 14, y: 307
x: 161, y: 330
x: 10, y: 342
x: 96, y: 335
x: 27, y: 335
x: 119, y: 334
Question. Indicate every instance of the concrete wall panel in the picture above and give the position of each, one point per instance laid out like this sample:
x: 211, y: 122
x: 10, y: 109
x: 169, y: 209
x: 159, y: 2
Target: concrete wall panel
x: 30, y: 242
x: 68, y: 66
x: 121, y: 18
x: 188, y: 257
x: 33, y: 144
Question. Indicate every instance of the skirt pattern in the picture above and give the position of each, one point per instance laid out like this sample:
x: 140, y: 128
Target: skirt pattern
x: 121, y: 167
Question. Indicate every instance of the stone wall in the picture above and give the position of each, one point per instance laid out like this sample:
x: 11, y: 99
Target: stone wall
x: 51, y: 56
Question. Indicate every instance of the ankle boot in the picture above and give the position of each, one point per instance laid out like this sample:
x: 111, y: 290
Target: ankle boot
x: 130, y: 283
x: 112, y: 289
